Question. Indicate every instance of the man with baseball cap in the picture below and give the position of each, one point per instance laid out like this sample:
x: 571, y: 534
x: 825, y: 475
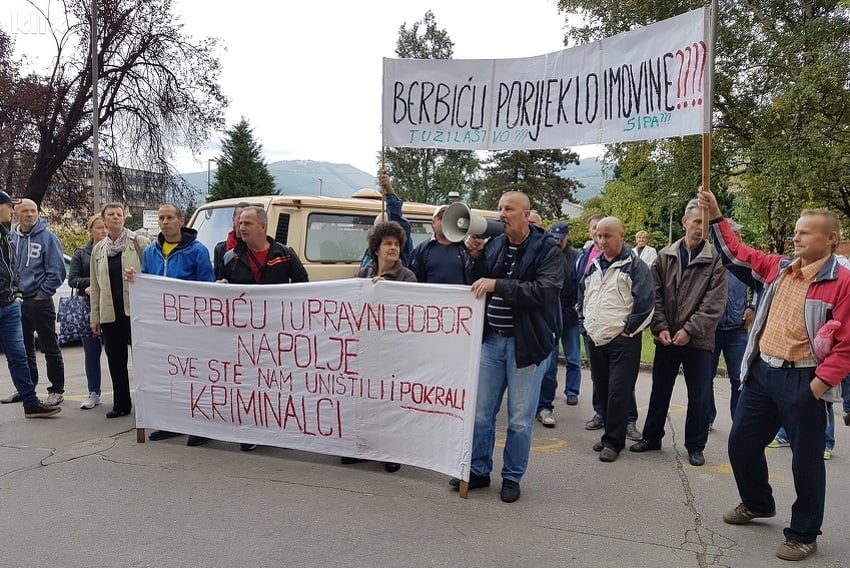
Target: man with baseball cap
x: 11, y: 329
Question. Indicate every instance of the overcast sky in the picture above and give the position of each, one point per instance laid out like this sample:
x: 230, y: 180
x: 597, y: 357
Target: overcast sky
x: 307, y: 74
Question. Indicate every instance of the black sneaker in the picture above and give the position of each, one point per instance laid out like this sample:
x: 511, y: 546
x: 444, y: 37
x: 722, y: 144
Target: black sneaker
x: 158, y: 435
x: 348, y: 461
x: 645, y: 446
x: 847, y: 418
x: 696, y: 458
x: 247, y: 447
x: 475, y: 482
x: 510, y: 491
x: 41, y: 411
x: 196, y: 441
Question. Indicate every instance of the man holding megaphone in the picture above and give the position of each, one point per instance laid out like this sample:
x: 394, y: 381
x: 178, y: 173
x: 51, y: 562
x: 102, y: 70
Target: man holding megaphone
x: 520, y: 272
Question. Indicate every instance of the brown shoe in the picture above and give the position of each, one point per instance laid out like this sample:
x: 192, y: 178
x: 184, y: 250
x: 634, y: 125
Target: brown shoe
x: 740, y: 515
x: 847, y: 418
x: 793, y: 550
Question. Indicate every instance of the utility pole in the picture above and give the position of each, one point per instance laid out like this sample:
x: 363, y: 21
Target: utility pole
x: 95, y: 103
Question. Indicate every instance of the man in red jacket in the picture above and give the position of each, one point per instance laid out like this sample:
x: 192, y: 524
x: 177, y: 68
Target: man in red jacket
x: 782, y: 379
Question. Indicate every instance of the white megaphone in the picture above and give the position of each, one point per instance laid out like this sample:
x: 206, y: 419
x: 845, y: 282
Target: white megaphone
x: 459, y: 222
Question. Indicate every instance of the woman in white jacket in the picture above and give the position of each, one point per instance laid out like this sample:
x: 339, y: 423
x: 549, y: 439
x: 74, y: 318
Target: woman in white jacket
x: 645, y: 252
x: 110, y: 301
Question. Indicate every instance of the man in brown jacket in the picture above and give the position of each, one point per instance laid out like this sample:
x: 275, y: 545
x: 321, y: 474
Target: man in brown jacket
x: 690, y: 296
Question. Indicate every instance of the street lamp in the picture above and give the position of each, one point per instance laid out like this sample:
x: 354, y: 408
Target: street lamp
x: 209, y: 161
x: 670, y: 222
x: 320, y: 186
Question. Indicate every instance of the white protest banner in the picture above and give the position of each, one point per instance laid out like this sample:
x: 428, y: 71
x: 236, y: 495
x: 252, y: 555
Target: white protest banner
x: 384, y: 371
x: 647, y: 83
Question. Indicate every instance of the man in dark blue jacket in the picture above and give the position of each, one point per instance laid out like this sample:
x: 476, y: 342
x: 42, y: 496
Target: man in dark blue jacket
x: 393, y: 213
x: 570, y: 334
x: 731, y: 336
x: 440, y: 261
x: 523, y: 275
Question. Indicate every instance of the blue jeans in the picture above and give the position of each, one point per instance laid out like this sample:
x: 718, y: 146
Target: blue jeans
x: 92, y: 348
x: 572, y: 355
x: 829, y: 433
x: 497, y: 374
x: 733, y: 343
x: 12, y: 341
x: 547, y: 372
x: 772, y: 398
x: 665, y: 368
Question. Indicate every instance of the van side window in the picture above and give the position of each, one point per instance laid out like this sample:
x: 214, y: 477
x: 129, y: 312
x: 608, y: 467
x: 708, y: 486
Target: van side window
x: 420, y: 231
x: 282, y: 232
x: 336, y: 237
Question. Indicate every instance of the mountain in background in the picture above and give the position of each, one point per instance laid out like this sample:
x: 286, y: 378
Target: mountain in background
x: 301, y: 177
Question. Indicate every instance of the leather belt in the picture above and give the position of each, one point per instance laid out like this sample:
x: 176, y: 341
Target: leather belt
x: 778, y: 363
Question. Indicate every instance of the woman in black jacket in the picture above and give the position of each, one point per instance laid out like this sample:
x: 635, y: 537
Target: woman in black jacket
x: 79, y: 278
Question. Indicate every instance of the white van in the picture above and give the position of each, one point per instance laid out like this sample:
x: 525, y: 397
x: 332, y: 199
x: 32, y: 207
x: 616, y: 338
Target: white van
x: 327, y: 233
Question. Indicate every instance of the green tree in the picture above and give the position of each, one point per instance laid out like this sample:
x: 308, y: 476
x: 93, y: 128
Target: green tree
x: 782, y: 109
x: 242, y: 171
x: 535, y: 173
x: 427, y: 175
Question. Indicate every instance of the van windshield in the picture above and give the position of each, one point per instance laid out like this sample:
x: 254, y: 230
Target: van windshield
x: 212, y: 225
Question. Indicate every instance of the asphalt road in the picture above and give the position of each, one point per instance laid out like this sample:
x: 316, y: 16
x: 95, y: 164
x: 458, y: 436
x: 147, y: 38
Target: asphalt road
x: 78, y: 490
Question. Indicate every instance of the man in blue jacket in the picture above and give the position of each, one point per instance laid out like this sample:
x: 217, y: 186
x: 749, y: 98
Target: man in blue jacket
x: 522, y: 278
x: 177, y: 253
x: 41, y: 267
x: 11, y: 332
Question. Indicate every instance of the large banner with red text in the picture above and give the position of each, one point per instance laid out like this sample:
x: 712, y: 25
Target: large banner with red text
x: 644, y: 84
x: 384, y: 371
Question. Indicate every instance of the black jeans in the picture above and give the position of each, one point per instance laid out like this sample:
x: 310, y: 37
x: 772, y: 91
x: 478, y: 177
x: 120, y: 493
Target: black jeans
x: 614, y: 369
x: 597, y: 404
x: 696, y: 364
x: 39, y: 317
x: 116, y: 338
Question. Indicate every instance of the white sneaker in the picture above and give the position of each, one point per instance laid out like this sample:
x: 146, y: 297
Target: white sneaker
x: 54, y: 399
x: 546, y: 418
x: 92, y: 401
